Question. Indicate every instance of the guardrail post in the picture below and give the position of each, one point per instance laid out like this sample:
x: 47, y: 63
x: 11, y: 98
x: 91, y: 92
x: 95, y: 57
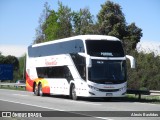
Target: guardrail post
x: 139, y: 96
x: 0, y: 85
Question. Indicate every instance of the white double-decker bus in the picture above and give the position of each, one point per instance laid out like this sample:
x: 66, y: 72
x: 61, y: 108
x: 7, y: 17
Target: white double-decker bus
x: 85, y: 65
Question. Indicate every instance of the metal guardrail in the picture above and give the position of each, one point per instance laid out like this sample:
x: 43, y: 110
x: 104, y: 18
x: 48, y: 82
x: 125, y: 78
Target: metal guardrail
x: 138, y: 92
x: 13, y: 85
x: 143, y: 92
x: 154, y: 92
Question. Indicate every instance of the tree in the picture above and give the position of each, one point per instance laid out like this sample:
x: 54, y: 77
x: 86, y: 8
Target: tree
x: 82, y: 22
x: 146, y: 75
x: 64, y: 18
x: 2, y: 59
x: 40, y: 36
x: 54, y: 25
x: 111, y: 21
x: 20, y: 74
x: 132, y: 37
x: 51, y: 26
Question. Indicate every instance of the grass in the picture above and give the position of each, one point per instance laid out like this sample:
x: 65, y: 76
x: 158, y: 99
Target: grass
x: 144, y: 98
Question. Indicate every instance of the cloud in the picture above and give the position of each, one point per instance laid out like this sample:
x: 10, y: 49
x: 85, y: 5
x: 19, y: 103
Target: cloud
x: 149, y: 47
x: 15, y: 50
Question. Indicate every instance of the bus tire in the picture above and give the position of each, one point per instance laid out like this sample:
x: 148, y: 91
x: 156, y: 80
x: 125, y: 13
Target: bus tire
x: 40, y: 90
x: 73, y: 92
x: 36, y: 90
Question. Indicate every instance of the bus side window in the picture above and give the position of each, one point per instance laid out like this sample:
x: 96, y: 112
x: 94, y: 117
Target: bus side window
x: 79, y: 46
x: 67, y: 73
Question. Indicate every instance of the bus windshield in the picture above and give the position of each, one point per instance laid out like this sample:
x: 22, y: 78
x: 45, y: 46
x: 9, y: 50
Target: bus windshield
x: 104, y: 48
x: 107, y: 71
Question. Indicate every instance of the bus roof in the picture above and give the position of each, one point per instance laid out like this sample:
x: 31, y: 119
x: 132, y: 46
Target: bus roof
x: 82, y: 37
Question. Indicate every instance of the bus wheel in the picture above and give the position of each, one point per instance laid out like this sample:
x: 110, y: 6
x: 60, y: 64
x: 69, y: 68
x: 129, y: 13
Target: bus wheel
x: 36, y: 90
x: 40, y: 89
x: 73, y: 92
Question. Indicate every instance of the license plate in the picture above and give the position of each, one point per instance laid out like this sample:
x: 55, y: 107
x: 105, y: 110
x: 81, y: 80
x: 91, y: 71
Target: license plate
x: 109, y: 94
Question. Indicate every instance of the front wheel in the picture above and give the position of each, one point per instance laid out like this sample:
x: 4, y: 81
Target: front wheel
x: 73, y: 93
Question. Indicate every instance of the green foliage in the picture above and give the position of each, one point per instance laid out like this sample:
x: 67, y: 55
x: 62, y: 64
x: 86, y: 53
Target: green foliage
x: 134, y: 35
x: 83, y: 22
x: 58, y: 24
x: 147, y: 72
x: 63, y: 23
x: 51, y: 27
x: 40, y: 35
x: 20, y: 74
x: 64, y: 20
x: 112, y: 22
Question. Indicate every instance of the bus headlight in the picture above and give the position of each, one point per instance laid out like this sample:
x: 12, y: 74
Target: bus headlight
x: 93, y: 88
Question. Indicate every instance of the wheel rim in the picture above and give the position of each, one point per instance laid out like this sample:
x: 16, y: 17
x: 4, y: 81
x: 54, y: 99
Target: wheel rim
x: 40, y: 90
x: 74, y: 96
x: 36, y: 90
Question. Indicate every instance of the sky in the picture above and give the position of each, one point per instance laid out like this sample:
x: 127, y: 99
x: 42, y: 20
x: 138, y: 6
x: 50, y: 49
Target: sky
x: 19, y: 19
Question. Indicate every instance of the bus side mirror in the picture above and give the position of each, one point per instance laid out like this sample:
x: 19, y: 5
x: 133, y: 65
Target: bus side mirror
x: 132, y: 61
x: 88, y: 59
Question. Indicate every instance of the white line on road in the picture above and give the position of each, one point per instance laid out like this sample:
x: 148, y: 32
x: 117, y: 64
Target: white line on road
x: 31, y: 105
x: 19, y: 95
x: 81, y: 102
x: 146, y: 103
x: 104, y: 118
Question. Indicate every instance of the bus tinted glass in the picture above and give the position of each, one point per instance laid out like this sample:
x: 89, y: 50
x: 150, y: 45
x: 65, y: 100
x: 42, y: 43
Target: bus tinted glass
x: 108, y: 71
x: 104, y: 48
x: 54, y: 72
x: 72, y: 46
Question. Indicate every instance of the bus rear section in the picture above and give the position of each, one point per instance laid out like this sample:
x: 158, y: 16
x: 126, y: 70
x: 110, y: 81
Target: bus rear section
x: 81, y: 66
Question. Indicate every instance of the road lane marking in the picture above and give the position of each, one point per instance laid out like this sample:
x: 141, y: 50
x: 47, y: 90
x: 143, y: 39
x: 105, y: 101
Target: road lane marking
x: 81, y: 102
x: 19, y: 95
x: 104, y: 118
x: 146, y: 103
x: 31, y: 105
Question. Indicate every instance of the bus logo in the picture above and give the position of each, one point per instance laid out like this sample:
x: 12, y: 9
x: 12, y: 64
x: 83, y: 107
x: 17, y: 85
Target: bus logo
x: 52, y: 61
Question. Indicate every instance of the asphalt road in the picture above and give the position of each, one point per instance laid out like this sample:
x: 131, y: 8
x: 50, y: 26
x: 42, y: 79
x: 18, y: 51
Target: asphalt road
x: 60, y: 107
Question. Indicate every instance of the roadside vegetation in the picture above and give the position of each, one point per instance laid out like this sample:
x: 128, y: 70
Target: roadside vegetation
x: 144, y: 99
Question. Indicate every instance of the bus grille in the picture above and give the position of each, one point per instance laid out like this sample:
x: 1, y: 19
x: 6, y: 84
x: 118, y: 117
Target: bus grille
x: 108, y: 90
